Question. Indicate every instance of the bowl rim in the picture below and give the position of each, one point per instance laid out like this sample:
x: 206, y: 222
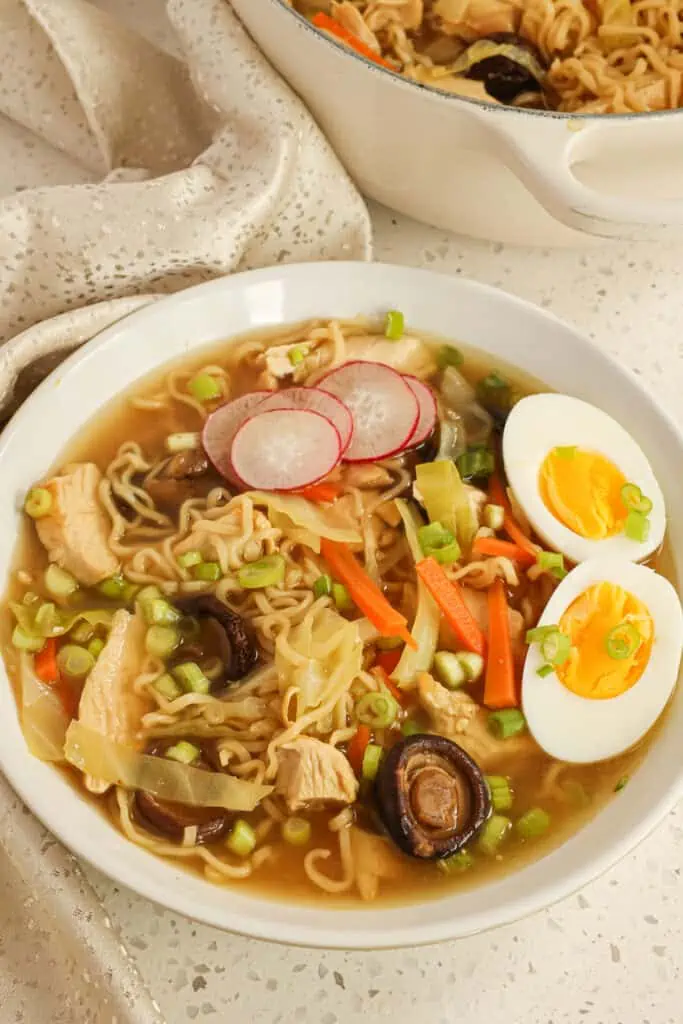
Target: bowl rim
x: 342, y: 929
x: 452, y: 98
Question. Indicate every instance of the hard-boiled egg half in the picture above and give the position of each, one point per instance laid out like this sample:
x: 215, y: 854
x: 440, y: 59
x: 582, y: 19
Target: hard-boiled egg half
x: 584, y: 484
x: 603, y: 661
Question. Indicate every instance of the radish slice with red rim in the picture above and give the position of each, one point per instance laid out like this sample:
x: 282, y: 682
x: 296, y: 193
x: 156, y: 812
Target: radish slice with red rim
x: 384, y: 409
x: 427, y: 406
x: 285, y: 449
x: 316, y: 400
x: 221, y: 427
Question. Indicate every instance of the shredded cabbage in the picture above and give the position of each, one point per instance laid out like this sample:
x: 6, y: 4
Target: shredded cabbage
x: 321, y: 656
x: 43, y: 719
x: 425, y: 631
x: 446, y: 500
x: 61, y: 622
x: 100, y: 758
x: 314, y: 523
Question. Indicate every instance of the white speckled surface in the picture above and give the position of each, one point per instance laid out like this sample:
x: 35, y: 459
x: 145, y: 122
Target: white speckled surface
x: 611, y: 954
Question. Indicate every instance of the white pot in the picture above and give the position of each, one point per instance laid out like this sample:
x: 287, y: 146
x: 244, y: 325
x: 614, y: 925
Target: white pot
x: 517, y: 176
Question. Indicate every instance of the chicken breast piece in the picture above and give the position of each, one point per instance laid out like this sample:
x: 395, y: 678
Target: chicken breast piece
x: 314, y: 774
x: 409, y: 355
x: 108, y: 704
x: 450, y: 711
x: 76, y: 531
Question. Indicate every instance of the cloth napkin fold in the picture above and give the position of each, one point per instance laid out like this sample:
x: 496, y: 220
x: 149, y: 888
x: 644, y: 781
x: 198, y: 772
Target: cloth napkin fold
x: 200, y: 162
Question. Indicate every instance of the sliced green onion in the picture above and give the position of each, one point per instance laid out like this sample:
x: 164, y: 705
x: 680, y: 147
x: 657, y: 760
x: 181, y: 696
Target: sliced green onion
x: 25, y: 641
x: 449, y: 355
x: 493, y: 833
x: 634, y: 500
x: 184, y: 752
x: 446, y: 555
x: 82, y: 633
x: 456, y: 864
x: 342, y: 598
x: 372, y: 759
x: 565, y: 451
x: 191, y: 678
x: 182, y: 442
x: 495, y: 394
x: 167, y: 687
x: 623, y: 641
x: 378, y: 710
x: 207, y: 572
x: 435, y: 535
x: 242, y: 839
x: 637, y: 527
x: 267, y: 572
x: 112, y: 588
x: 158, y: 612
x: 204, y: 387
x: 411, y: 728
x: 553, y: 562
x: 161, y: 641
x: 507, y: 722
x: 476, y: 462
x: 95, y: 647
x: 323, y: 586
x: 394, y: 325
x: 623, y: 781
x: 296, y: 831
x: 148, y: 594
x: 297, y: 354
x: 540, y: 633
x: 473, y: 665
x: 38, y: 503
x: 59, y: 583
x: 494, y: 516
x: 74, y: 661
x: 501, y: 793
x: 189, y: 558
x: 532, y: 824
x: 47, y: 621
x: 545, y: 670
x: 449, y: 670
x: 555, y: 648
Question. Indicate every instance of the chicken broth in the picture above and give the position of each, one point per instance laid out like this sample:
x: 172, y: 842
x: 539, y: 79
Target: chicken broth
x: 259, y: 660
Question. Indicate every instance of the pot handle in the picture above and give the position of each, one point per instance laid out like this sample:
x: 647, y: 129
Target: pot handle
x: 539, y: 149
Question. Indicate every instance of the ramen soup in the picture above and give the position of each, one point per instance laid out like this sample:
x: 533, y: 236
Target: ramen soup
x: 342, y: 609
x: 591, y: 57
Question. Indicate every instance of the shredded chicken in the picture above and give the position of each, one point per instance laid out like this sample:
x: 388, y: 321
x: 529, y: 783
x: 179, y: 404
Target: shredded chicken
x: 314, y: 774
x: 450, y: 711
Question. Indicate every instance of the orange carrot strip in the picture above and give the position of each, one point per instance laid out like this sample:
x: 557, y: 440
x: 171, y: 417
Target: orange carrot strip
x: 498, y: 496
x: 388, y: 683
x: 365, y: 592
x: 388, y: 660
x: 500, y: 690
x: 323, y: 492
x: 495, y: 548
x: 328, y: 24
x: 45, y: 663
x: 356, y: 748
x: 449, y: 597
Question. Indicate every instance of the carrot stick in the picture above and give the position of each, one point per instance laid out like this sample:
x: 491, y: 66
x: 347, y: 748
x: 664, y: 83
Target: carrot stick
x: 499, y: 688
x: 449, y: 597
x: 498, y: 496
x: 388, y: 660
x: 327, y: 24
x: 45, y: 663
x: 388, y: 683
x: 365, y: 592
x: 502, y: 549
x: 356, y: 748
x: 323, y: 492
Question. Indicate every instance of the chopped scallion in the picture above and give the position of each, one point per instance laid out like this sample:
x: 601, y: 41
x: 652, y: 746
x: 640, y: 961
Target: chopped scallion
x: 476, y: 462
x: 507, y: 722
x: 637, y: 527
x: 204, y: 387
x: 323, y: 586
x: 74, y: 661
x: 456, y: 864
x: 242, y: 839
x: 501, y: 793
x: 449, y: 355
x: 167, y: 687
x: 296, y: 831
x: 378, y: 710
x: 623, y: 781
x: 267, y: 572
x: 532, y: 824
x: 25, y: 641
x: 191, y: 678
x: 555, y: 648
x: 342, y: 598
x: 634, y: 500
x: 493, y: 833
x: 411, y: 728
x: 207, y: 572
x: 112, y: 588
x: 553, y: 562
x: 184, y: 752
x: 161, y: 641
x: 189, y: 558
x: 494, y: 517
x: 95, y: 647
x: 47, y: 621
x: 371, y: 761
x: 59, y: 583
x: 82, y: 633
x: 449, y: 670
x: 545, y: 670
x: 394, y: 325
x: 38, y: 503
x: 473, y: 665
x: 158, y: 612
x: 297, y: 354
x: 623, y: 641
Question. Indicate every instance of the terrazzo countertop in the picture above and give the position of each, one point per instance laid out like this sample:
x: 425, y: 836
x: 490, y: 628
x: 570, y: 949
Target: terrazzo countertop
x: 613, y: 953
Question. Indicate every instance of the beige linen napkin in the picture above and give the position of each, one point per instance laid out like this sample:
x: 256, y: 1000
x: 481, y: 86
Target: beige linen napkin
x: 201, y: 162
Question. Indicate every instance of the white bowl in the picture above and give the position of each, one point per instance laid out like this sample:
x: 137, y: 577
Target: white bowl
x: 491, y: 320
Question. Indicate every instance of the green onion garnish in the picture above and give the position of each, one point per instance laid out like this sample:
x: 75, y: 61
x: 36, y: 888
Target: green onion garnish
x: 25, y: 641
x: 553, y: 562
x: 267, y: 572
x: 59, y: 583
x: 296, y: 831
x: 189, y: 558
x: 439, y: 543
x: 476, y: 462
x: 544, y: 671
x: 555, y: 648
x: 532, y: 824
x: 161, y: 641
x: 158, y: 612
x: 456, y: 864
x: 112, y: 588
x: 446, y: 555
x: 394, y: 325
x: 184, y: 752
x: 191, y: 678
x: 494, y: 516
x: 95, y: 647
x: 449, y: 355
x: 449, y: 670
x: 411, y: 728
x: 378, y: 710
x: 372, y: 758
x: 623, y: 781
x: 501, y: 793
x: 297, y: 354
x: 323, y: 586
x: 204, y: 387
x: 566, y: 451
x: 634, y: 500
x: 242, y: 839
x: 38, y: 503
x: 74, y: 661
x: 506, y: 723
x: 637, y: 527
x: 207, y: 572
x: 493, y: 833
x: 167, y: 687
x: 623, y: 641
x: 342, y: 598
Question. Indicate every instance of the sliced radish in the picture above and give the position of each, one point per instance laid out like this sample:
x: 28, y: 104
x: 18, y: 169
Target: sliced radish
x: 221, y: 427
x: 384, y: 409
x: 285, y: 449
x: 428, y: 409
x: 316, y: 400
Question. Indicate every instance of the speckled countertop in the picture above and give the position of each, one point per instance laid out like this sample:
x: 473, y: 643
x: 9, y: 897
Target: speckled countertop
x: 612, y: 954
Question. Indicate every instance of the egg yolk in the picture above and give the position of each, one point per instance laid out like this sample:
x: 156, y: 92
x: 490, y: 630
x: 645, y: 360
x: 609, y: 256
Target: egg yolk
x: 583, y: 490
x: 590, y: 671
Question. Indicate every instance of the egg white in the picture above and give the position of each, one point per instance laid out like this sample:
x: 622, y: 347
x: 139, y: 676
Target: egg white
x: 573, y: 728
x: 539, y: 423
